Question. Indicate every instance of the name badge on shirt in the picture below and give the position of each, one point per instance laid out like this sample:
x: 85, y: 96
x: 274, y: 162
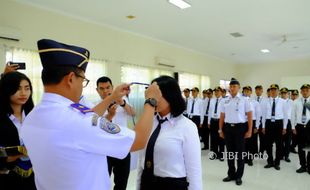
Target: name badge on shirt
x: 273, y: 119
x: 303, y: 119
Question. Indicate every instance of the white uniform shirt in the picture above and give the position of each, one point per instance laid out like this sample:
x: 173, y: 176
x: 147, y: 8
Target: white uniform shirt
x: 256, y: 112
x: 205, y: 106
x: 212, y: 109
x: 288, y: 104
x: 280, y: 111
x: 176, y: 152
x: 68, y: 149
x: 297, y: 108
x: 18, y: 124
x: 186, y: 103
x: 235, y: 109
x: 198, y: 108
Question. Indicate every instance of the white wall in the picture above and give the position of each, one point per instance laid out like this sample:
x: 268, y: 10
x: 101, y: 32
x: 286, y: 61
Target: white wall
x: 291, y: 74
x: 104, y: 42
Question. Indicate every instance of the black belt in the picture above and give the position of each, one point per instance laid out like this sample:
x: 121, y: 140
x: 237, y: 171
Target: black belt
x: 215, y: 119
x: 234, y: 124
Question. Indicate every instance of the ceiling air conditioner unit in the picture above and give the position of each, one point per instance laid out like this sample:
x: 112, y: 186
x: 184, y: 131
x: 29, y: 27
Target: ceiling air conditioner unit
x: 163, y: 62
x: 8, y: 33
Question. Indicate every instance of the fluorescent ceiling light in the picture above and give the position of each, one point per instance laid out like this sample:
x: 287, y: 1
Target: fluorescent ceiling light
x: 180, y: 3
x: 265, y: 50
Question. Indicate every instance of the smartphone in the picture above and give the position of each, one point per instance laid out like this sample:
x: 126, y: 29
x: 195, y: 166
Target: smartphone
x: 22, y: 65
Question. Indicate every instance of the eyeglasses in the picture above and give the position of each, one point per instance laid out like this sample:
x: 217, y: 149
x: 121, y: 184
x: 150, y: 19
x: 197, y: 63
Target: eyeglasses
x: 85, y: 80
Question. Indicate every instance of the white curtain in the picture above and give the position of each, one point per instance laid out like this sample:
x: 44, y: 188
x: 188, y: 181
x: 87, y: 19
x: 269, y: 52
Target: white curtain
x: 95, y: 69
x: 133, y: 73
x: 189, y: 80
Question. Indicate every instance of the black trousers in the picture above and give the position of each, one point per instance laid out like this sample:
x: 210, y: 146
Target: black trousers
x: 205, y: 132
x: 121, y: 170
x: 262, y: 139
x: 251, y: 145
x: 235, y: 144
x: 151, y: 182
x: 217, y: 143
x: 287, y: 139
x: 12, y: 181
x: 274, y: 135
x: 196, y: 120
x: 302, y: 131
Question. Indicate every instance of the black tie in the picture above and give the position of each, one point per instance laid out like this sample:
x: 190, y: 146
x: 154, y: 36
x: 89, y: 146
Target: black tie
x: 273, y: 112
x: 217, y: 101
x: 148, y: 163
x: 207, y: 111
x: 192, y: 110
x: 304, y: 108
x: 258, y: 98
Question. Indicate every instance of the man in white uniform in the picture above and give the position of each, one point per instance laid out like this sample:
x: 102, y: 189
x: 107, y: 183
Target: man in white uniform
x: 117, y: 113
x: 67, y: 142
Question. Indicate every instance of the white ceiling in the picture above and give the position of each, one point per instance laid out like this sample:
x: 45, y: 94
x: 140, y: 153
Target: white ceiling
x: 205, y: 27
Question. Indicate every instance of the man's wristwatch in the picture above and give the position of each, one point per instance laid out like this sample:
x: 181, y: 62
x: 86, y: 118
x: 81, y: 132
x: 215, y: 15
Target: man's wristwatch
x: 124, y: 104
x: 151, y: 101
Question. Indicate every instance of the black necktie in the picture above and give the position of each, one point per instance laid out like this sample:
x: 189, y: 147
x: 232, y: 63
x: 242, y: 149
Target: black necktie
x: 149, y: 163
x: 273, y: 112
x: 217, y: 101
x: 192, y: 110
x: 304, y: 108
x: 207, y: 111
x: 258, y: 98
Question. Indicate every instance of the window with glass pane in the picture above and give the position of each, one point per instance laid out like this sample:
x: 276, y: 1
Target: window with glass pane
x: 95, y: 69
x: 188, y: 80
x: 224, y: 84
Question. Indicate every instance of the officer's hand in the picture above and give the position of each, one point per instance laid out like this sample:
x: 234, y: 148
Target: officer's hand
x: 153, y: 91
x: 119, y: 92
x: 248, y: 134
x: 111, y: 112
x: 283, y: 131
x: 209, y: 126
x: 255, y: 130
x: 222, y: 135
x: 200, y: 125
x: 10, y: 68
x: 13, y: 158
x: 263, y: 131
x: 294, y: 131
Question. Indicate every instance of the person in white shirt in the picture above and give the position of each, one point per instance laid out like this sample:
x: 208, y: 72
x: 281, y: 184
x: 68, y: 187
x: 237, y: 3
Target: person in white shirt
x: 294, y: 96
x: 186, y: 93
x: 235, y: 130
x: 195, y: 107
x: 67, y: 142
x: 172, y: 158
x: 205, y: 131
x: 260, y: 99
x: 118, y: 113
x: 251, y: 145
x: 301, y: 127
x: 274, y: 121
x: 217, y: 143
x: 287, y: 138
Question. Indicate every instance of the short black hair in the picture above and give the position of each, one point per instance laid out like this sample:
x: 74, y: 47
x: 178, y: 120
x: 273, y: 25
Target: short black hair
x: 54, y: 75
x: 104, y: 79
x: 9, y: 85
x: 171, y: 91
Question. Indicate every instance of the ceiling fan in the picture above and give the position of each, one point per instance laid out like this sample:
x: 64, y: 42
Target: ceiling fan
x: 284, y: 40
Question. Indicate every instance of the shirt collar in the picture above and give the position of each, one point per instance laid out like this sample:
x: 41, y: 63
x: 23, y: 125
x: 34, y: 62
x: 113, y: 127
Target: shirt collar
x: 170, y: 118
x: 13, y: 118
x: 56, y: 98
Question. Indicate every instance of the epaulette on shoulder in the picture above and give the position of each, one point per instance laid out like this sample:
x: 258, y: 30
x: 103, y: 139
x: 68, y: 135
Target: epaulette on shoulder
x: 81, y: 108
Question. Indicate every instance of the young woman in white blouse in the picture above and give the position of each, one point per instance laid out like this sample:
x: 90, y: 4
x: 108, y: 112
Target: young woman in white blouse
x: 172, y: 158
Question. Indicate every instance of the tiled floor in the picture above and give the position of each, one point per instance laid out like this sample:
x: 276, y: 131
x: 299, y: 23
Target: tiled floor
x: 255, y: 177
